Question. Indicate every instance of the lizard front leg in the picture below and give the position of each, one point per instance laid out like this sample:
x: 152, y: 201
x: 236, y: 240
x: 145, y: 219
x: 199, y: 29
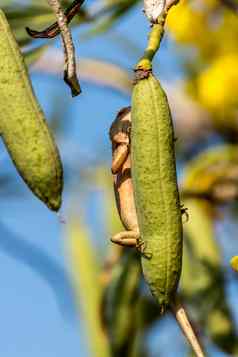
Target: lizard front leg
x: 120, y: 154
x: 126, y: 238
x: 131, y: 239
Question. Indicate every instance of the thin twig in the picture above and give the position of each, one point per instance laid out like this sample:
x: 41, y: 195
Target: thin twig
x: 70, y: 76
x: 54, y: 30
x: 156, y: 12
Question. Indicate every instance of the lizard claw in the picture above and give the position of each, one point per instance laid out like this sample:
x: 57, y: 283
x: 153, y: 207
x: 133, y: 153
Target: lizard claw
x: 141, y: 247
x: 184, y: 211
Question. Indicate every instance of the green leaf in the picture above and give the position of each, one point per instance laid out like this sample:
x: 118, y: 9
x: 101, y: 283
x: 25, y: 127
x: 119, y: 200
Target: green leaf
x: 121, y: 301
x: 85, y: 277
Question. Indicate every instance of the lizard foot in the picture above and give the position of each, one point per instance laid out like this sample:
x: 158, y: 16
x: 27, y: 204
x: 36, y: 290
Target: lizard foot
x: 126, y: 238
x: 141, y: 247
x: 184, y: 211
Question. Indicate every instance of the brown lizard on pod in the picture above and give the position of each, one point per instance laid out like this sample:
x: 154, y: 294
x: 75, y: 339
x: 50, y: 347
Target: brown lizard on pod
x: 123, y: 187
x: 23, y: 127
x: 121, y: 170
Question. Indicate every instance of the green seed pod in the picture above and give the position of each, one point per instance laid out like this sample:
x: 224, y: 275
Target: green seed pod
x: 23, y: 127
x: 155, y: 189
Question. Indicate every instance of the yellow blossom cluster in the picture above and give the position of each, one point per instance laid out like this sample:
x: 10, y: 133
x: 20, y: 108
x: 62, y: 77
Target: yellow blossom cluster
x: 211, y: 30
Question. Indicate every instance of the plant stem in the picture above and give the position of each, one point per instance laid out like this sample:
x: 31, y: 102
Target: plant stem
x: 154, y: 40
x: 185, y: 325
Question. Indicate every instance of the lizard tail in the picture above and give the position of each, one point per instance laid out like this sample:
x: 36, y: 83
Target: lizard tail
x: 182, y: 318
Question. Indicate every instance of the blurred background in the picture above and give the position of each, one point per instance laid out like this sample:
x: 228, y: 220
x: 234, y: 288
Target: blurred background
x: 65, y: 290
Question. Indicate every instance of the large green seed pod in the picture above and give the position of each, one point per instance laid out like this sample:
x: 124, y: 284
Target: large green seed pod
x: 155, y: 188
x: 23, y: 127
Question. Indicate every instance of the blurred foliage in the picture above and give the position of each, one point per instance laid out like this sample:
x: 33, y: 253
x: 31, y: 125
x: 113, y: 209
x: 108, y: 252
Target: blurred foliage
x: 213, y: 176
x: 116, y: 309
x: 121, y: 299
x: 203, y: 280
x: 85, y: 277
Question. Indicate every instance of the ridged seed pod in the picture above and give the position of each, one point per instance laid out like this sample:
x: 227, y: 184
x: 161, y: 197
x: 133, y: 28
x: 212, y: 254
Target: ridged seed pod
x: 23, y: 127
x: 155, y: 188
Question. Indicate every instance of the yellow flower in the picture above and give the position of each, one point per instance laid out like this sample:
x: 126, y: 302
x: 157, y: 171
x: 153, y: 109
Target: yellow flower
x: 234, y: 263
x: 225, y: 35
x: 218, y: 84
x: 187, y: 25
